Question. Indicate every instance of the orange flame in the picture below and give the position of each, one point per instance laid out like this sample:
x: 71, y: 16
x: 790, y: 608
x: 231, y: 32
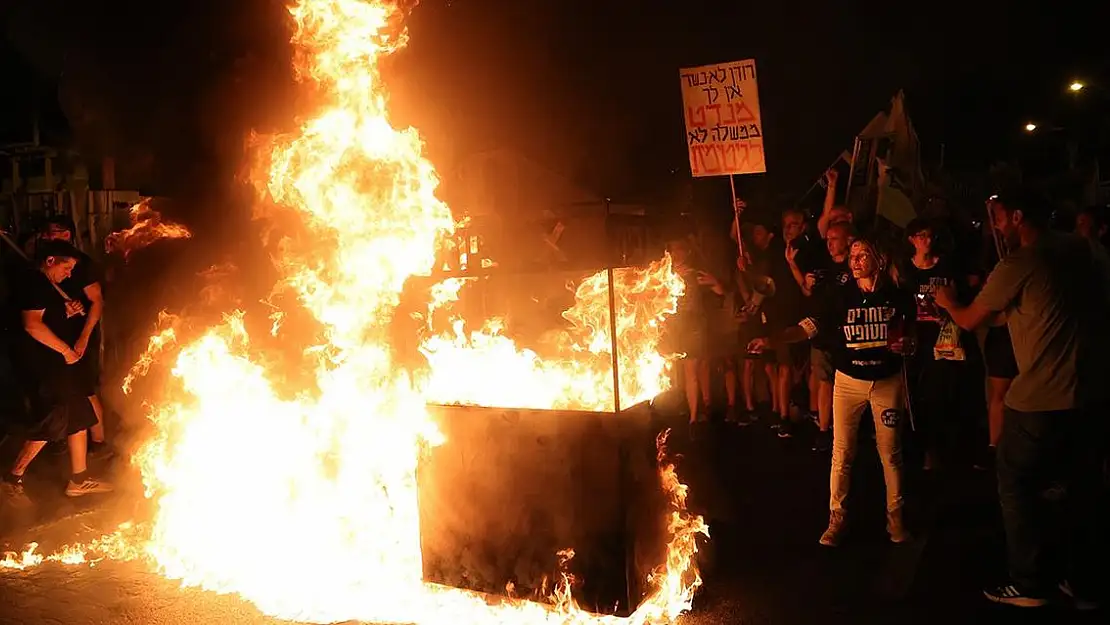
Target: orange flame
x: 304, y: 500
x: 486, y: 368
x: 146, y: 228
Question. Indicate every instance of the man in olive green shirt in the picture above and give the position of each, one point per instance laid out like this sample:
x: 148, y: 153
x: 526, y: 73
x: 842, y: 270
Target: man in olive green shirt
x: 1052, y: 292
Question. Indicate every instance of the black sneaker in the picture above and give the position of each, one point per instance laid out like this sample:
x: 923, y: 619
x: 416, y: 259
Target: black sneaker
x: 100, y: 450
x: 785, y: 430
x: 1009, y: 594
x: 822, y: 443
x: 12, y: 493
x: 745, y: 418
x: 1083, y: 604
x: 985, y: 461
x: 732, y: 414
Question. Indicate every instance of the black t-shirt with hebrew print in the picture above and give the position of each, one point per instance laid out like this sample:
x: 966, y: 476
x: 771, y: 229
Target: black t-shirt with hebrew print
x: 857, y: 327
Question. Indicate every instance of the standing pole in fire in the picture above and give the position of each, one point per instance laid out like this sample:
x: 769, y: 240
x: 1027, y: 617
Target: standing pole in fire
x: 612, y: 319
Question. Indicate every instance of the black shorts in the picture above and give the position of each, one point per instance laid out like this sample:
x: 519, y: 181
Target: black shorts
x: 57, y: 406
x: 998, y: 352
x: 86, y: 371
x: 821, y: 362
x: 789, y: 354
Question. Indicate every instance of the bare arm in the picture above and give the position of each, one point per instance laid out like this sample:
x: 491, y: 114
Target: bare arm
x: 998, y: 294
x: 34, y: 325
x: 793, y: 334
x: 96, y: 310
x: 792, y: 262
x: 970, y: 317
x: 804, y: 331
x: 800, y: 278
x: 830, y: 202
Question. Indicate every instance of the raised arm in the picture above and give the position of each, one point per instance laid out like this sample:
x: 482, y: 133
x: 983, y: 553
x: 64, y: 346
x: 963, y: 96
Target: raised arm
x: 830, y: 201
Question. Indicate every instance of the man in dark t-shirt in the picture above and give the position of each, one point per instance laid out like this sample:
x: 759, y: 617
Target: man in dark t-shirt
x: 786, y: 268
x: 823, y: 281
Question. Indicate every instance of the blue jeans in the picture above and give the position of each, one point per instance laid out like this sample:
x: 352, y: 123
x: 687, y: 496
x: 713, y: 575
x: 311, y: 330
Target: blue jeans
x: 1040, y: 453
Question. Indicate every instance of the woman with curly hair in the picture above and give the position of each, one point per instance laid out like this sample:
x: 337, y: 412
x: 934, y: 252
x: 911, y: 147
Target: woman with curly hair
x: 866, y: 322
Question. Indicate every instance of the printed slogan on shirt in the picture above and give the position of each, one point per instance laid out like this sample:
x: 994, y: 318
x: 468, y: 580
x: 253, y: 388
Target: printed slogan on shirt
x: 866, y: 327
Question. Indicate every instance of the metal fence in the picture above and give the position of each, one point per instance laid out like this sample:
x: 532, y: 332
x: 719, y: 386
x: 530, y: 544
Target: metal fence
x: 95, y: 214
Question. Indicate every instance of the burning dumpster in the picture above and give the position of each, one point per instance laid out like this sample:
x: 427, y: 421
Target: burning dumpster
x: 551, y: 433
x: 515, y: 487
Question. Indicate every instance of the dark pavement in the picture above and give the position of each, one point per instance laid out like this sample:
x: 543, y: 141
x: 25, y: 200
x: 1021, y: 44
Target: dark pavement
x: 765, y: 500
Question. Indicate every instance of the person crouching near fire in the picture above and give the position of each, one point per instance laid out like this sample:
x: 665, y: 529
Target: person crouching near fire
x: 866, y: 322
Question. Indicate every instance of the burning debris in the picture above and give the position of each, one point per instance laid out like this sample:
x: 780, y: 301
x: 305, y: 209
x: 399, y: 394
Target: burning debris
x: 146, y: 228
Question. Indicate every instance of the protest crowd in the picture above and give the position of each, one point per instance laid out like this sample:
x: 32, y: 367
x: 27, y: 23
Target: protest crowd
x: 960, y: 350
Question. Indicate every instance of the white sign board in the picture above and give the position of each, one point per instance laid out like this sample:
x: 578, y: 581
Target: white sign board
x: 723, y: 131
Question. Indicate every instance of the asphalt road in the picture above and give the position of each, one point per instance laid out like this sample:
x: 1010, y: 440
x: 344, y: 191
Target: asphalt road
x: 765, y: 500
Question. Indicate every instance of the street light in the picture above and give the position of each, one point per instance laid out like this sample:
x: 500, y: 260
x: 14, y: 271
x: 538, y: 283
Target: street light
x: 1030, y: 127
x: 1076, y: 86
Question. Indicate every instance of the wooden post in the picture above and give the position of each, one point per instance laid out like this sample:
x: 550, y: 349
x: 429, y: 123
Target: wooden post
x: 736, y: 215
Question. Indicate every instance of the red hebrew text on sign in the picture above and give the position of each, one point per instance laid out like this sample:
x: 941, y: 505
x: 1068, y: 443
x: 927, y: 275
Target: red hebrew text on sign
x: 723, y: 128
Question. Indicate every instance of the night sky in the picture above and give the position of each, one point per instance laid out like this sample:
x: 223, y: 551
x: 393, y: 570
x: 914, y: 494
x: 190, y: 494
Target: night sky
x: 588, y: 87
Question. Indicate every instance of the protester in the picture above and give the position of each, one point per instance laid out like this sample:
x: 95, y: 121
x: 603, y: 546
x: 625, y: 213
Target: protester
x: 724, y: 334
x: 822, y: 285
x: 1090, y: 223
x: 832, y: 213
x: 1054, y: 297
x: 53, y: 325
x: 867, y: 323
x: 688, y: 329
x: 760, y: 287
x: 945, y: 374
x: 784, y: 310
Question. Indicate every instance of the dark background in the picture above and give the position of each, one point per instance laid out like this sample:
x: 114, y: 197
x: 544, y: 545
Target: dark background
x: 588, y: 87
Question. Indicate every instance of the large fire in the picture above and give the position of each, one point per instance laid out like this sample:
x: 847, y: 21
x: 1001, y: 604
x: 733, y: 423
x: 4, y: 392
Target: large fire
x: 304, y: 501
x: 486, y: 368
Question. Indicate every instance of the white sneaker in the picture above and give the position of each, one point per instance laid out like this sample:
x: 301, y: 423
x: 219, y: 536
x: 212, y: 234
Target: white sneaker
x: 88, y: 486
x: 835, y: 532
